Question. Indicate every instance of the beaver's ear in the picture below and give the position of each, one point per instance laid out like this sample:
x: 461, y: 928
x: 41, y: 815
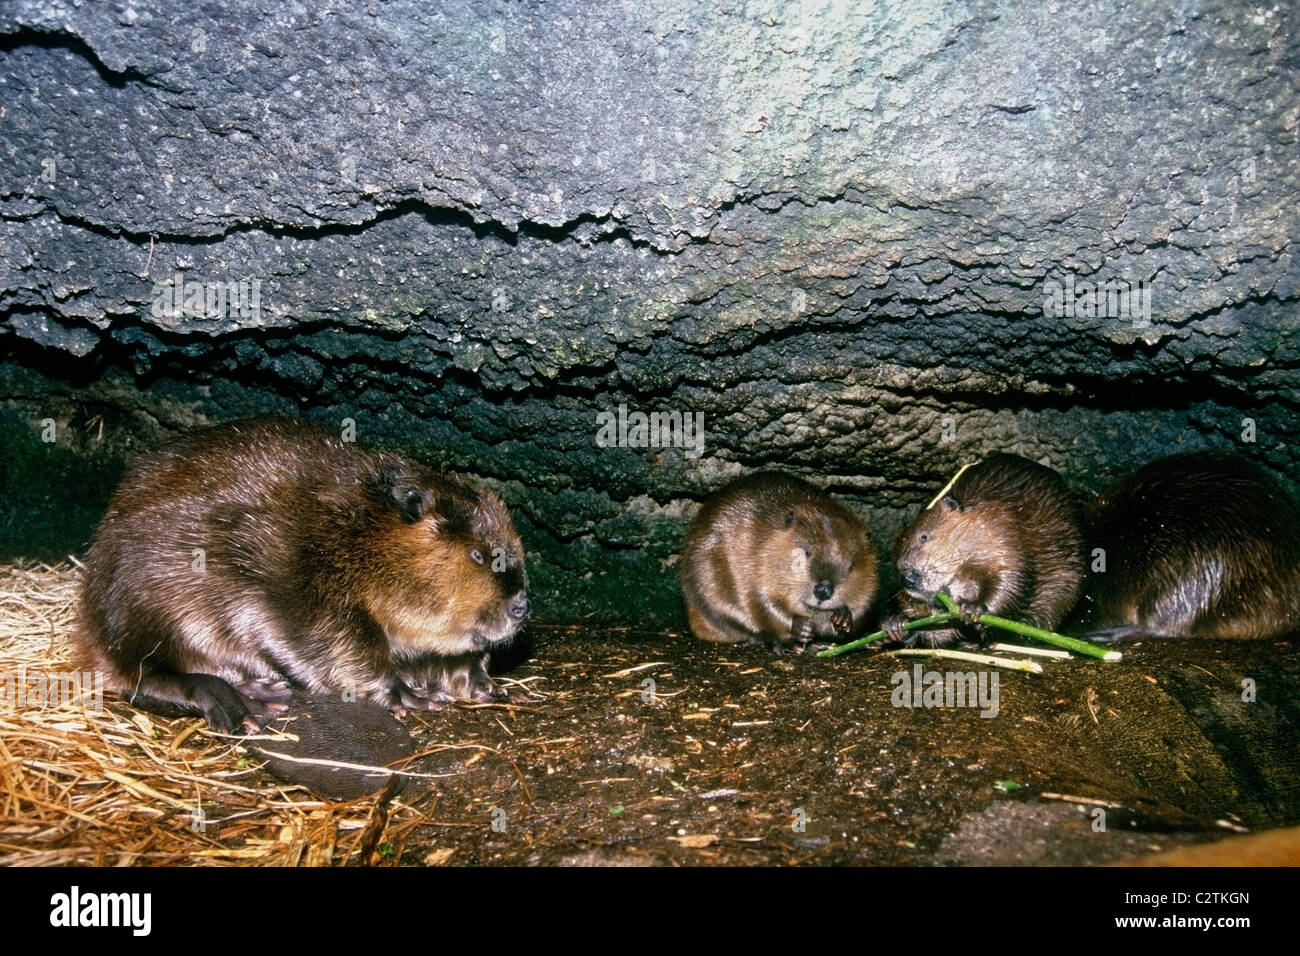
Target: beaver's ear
x: 414, y: 503
x: 950, y: 503
x: 789, y: 519
x: 400, y: 489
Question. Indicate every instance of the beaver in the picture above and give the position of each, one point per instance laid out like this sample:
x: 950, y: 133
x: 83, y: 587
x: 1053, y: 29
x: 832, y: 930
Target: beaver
x: 251, y: 559
x: 771, y: 559
x: 1198, y: 544
x: 1006, y: 538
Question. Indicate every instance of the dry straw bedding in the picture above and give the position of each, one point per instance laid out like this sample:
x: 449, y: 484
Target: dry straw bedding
x: 109, y: 786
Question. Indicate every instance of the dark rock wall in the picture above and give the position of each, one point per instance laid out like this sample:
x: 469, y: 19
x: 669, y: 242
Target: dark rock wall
x: 831, y: 229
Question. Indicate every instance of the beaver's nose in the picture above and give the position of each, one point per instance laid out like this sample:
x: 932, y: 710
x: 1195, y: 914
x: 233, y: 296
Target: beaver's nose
x: 912, y: 579
x: 823, y: 590
x: 518, y: 607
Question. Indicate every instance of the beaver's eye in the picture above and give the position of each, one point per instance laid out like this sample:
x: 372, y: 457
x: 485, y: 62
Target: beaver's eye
x: 923, y: 537
x: 476, y: 556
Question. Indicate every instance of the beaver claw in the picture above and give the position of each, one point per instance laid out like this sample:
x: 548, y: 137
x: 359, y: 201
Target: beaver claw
x: 490, y: 692
x: 971, y: 611
x: 893, y: 628
x: 401, y: 698
x: 842, y: 621
x: 265, y: 699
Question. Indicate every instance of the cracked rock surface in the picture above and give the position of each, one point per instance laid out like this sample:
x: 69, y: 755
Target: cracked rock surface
x: 834, y: 230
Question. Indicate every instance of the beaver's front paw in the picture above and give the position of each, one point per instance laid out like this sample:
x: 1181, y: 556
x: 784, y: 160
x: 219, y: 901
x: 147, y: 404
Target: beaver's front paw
x: 842, y: 621
x: 487, y: 691
x: 401, y: 698
x: 893, y: 628
x: 972, y: 611
x: 265, y: 698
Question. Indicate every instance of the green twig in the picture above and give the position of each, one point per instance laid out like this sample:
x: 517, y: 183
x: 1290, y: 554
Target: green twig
x: 1037, y: 633
x: 839, y: 649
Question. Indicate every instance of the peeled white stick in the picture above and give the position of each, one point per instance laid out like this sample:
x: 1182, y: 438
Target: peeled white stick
x: 1029, y: 667
x: 1032, y: 651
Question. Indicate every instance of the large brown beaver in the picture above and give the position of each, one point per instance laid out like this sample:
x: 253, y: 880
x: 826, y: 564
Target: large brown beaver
x: 1201, y: 544
x: 1004, y: 539
x: 250, y: 559
x: 771, y: 559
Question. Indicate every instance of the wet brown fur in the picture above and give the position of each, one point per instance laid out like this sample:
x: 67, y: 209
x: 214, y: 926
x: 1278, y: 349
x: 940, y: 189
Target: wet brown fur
x: 1202, y: 544
x: 327, y: 566
x: 739, y: 575
x: 1006, y: 539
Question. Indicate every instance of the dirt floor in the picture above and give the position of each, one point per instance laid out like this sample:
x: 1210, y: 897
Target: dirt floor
x: 741, y: 757
x: 651, y: 748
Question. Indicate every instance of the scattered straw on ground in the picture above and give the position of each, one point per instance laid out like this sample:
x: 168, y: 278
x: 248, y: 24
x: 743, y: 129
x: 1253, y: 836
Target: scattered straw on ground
x: 109, y: 786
